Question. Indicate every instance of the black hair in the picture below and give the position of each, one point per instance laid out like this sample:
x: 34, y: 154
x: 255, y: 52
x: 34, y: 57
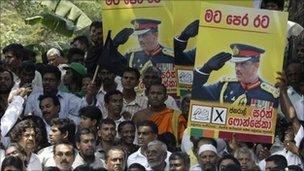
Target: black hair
x: 125, y: 123
x: 225, y: 157
x: 96, y: 24
x: 179, y: 155
x: 28, y: 66
x: 12, y: 161
x: 65, y: 143
x: 280, y: 3
x: 279, y: 160
x: 107, y: 121
x: 82, y: 39
x: 157, y: 84
x: 133, y: 70
x: 53, y: 70
x: 91, y: 112
x: 65, y: 125
x: 16, y: 49
x: 110, y: 94
x: 53, y: 97
x: 2, y: 70
x: 150, y: 124
x: 84, y: 131
x: 73, y: 51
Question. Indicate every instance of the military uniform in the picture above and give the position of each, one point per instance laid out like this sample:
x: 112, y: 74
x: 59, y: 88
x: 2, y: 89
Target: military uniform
x: 183, y: 57
x: 137, y: 58
x: 229, y: 90
x: 142, y: 59
x: 257, y: 93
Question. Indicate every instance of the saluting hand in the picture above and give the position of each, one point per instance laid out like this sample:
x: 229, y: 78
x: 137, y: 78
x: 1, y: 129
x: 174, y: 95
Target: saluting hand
x: 216, y: 62
x: 190, y: 31
x: 122, y: 36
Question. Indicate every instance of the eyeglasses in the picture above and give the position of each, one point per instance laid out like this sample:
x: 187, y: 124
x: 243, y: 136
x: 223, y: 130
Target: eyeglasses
x: 67, y: 154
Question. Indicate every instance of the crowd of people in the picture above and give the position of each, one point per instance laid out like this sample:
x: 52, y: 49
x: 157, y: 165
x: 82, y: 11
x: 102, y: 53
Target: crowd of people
x: 64, y: 114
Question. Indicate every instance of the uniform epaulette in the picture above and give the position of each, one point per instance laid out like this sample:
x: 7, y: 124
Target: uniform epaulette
x: 134, y: 50
x: 168, y: 52
x: 270, y: 89
x: 229, y: 79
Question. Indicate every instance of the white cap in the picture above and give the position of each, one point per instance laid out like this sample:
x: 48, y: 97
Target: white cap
x: 206, y: 147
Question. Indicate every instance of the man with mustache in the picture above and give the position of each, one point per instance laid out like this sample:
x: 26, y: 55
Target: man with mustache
x: 156, y: 155
x: 248, y: 88
x: 61, y: 130
x: 116, y: 159
x: 150, y: 51
x: 86, y: 145
x: 64, y: 155
x: 106, y: 133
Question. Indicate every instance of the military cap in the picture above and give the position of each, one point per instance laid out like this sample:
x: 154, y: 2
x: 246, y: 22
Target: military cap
x: 243, y: 52
x: 142, y: 26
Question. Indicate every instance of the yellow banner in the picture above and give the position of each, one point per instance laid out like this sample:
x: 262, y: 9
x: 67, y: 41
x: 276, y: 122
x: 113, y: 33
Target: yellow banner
x: 239, y: 50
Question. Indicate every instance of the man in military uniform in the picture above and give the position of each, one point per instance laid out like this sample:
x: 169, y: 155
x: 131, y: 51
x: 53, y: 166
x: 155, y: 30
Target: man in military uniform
x: 246, y: 89
x: 150, y: 51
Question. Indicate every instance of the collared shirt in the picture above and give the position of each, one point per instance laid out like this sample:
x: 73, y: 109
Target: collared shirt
x: 69, y: 105
x: 37, y: 81
x: 98, y: 163
x: 46, y: 156
x: 136, y: 105
x: 34, y: 164
x: 138, y: 157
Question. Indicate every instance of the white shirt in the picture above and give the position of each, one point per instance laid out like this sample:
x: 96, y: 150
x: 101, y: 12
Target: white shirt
x: 10, y: 117
x: 34, y: 164
x: 196, y: 167
x: 46, y: 155
x: 37, y: 81
x: 138, y: 157
x: 136, y: 105
x: 69, y: 105
x: 98, y: 163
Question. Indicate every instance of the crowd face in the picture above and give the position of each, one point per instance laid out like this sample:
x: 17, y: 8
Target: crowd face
x: 245, y: 161
x: 115, y: 105
x: 107, y: 132
x: 148, y: 41
x: 272, y: 6
x: 150, y: 78
x: 294, y: 74
x: 28, y: 140
x: 246, y: 72
x: 86, y: 122
x: 78, y: 44
x: 225, y: 163
x: 127, y: 133
x: 13, y: 151
x: 85, y: 83
x: 6, y: 82
x: 157, y: 95
x: 300, y: 52
x: 64, y: 156
x: 50, y: 83
x: 155, y: 156
x: 26, y: 77
x: 49, y: 109
x: 53, y: 59
x: 178, y: 165
x: 96, y: 34
x: 129, y: 80
x: 68, y: 77
x: 87, y: 146
x: 145, y: 135
x: 207, y: 160
x: 115, y: 160
x: 55, y: 135
x: 270, y: 165
x: 11, y: 60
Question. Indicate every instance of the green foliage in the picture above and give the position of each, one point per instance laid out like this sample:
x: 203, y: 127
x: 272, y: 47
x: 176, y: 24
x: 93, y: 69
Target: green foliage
x: 43, y: 34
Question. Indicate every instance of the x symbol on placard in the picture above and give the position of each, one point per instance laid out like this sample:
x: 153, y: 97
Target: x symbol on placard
x: 219, y: 113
